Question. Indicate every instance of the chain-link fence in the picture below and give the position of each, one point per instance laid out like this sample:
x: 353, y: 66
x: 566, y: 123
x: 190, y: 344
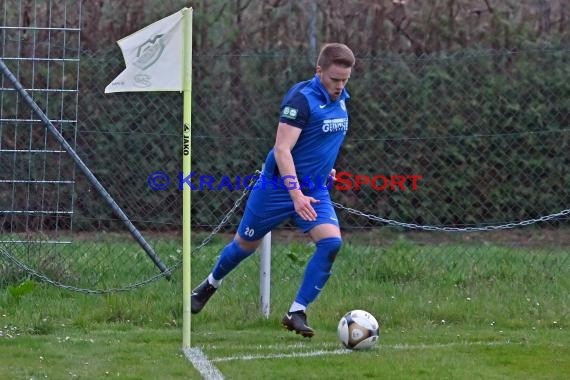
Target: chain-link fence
x: 477, y: 138
x: 484, y: 134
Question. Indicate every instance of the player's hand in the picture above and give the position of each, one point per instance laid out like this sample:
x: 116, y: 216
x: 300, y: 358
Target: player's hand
x: 333, y: 174
x: 331, y: 179
x: 304, y: 208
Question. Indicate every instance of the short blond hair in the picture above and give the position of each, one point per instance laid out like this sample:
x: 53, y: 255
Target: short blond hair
x: 335, y: 54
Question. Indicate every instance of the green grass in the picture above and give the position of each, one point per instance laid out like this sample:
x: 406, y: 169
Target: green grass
x: 448, y: 311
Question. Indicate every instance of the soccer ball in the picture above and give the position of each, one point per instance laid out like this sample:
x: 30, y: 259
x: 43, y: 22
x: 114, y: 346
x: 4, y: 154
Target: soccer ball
x: 358, y: 329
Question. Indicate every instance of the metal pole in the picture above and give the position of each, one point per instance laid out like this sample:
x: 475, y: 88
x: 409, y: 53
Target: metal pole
x: 265, y: 274
x: 79, y: 162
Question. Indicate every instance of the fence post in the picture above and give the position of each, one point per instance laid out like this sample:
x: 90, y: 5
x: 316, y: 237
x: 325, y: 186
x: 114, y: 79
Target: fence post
x: 265, y: 274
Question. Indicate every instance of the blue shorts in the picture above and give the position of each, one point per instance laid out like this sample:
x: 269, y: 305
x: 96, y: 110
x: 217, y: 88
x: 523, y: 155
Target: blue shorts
x: 267, y: 208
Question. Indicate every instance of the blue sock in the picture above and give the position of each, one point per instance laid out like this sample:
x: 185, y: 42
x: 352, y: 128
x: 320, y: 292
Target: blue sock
x: 318, y: 270
x: 230, y: 257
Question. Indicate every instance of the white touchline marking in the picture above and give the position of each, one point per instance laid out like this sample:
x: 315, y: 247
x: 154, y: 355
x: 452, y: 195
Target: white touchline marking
x: 280, y: 346
x: 347, y: 351
x: 422, y: 346
x: 202, y: 365
x: 283, y: 356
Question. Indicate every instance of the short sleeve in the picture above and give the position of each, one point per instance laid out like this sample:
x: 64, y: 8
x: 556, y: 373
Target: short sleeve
x: 295, y: 110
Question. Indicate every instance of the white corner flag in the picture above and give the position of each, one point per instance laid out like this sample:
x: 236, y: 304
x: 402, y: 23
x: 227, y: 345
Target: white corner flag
x: 159, y: 58
x: 153, y: 57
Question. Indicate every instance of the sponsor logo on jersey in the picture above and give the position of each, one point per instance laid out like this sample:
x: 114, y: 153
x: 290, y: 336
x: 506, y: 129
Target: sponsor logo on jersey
x: 335, y: 125
x: 290, y: 112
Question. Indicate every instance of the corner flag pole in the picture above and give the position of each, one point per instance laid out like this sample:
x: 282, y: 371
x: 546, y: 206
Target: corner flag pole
x: 159, y: 58
x: 186, y: 169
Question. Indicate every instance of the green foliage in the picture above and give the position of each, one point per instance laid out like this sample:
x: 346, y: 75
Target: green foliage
x: 485, y: 131
x: 10, y: 274
x: 299, y: 254
x: 18, y: 291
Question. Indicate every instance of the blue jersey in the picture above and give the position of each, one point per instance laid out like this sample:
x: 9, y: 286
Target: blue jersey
x: 324, y: 124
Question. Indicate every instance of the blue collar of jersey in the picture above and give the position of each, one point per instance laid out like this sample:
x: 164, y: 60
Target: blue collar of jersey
x: 316, y: 82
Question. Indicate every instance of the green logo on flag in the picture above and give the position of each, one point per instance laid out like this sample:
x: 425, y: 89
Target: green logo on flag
x: 149, y: 52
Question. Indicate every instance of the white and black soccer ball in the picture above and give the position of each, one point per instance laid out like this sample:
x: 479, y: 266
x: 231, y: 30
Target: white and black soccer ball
x: 358, y: 329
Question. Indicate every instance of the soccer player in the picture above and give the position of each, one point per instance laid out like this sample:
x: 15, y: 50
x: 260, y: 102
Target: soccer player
x: 295, y: 183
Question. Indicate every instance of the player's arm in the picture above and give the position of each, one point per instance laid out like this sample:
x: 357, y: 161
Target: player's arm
x: 286, y: 139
